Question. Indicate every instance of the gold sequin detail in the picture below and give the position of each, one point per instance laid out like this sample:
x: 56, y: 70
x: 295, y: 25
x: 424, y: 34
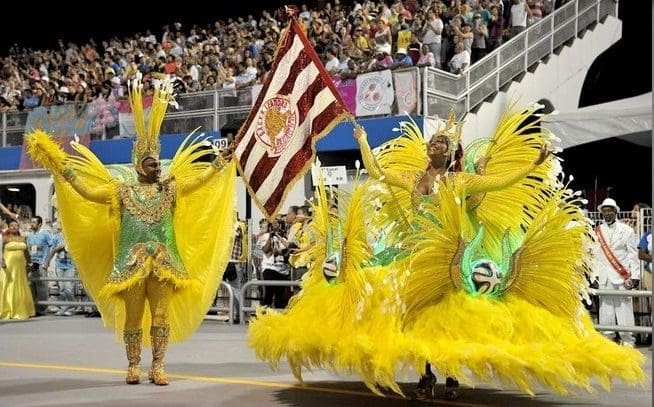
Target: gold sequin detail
x: 148, y: 203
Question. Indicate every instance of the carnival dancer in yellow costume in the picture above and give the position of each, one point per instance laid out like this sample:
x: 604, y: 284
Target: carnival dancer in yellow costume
x: 497, y: 263
x: 144, y: 241
x: 496, y: 174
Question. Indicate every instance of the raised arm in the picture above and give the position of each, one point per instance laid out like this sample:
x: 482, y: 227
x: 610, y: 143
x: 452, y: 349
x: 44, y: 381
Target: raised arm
x: 213, y: 170
x: 7, y: 212
x: 486, y: 183
x: 101, y: 194
x: 393, y: 178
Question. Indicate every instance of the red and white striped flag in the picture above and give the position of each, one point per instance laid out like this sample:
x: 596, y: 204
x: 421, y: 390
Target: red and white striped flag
x: 297, y: 105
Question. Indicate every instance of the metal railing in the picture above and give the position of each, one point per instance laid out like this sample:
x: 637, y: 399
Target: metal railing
x: 624, y: 293
x: 260, y: 283
x: 227, y: 287
x: 246, y: 310
x: 443, y: 91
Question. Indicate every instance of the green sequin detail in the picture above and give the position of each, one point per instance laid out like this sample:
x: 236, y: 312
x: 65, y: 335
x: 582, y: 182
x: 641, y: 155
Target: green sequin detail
x: 146, y: 237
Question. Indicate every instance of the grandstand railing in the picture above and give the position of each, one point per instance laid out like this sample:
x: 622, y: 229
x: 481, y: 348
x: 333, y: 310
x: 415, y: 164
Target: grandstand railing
x: 443, y: 91
x: 223, y: 285
x: 439, y: 91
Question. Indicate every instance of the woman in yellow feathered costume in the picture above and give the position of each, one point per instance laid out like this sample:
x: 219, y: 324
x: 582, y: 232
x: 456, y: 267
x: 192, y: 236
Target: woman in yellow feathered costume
x: 146, y: 241
x: 503, y: 176
x: 497, y: 262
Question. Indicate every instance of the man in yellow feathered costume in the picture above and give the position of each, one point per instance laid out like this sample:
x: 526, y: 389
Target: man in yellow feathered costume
x: 140, y: 238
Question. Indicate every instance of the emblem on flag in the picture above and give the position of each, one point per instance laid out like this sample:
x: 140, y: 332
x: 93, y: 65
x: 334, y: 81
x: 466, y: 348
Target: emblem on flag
x: 276, y: 124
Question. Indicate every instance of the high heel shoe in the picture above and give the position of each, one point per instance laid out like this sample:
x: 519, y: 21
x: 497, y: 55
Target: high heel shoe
x: 426, y: 387
x: 451, y: 386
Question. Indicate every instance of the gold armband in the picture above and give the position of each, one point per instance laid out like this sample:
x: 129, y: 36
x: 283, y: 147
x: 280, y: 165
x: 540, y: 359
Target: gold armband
x: 219, y: 163
x: 68, y: 174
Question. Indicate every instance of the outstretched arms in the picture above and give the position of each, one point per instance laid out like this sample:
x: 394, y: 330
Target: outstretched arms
x: 393, y: 178
x: 101, y: 194
x: 215, y: 168
x: 486, y: 183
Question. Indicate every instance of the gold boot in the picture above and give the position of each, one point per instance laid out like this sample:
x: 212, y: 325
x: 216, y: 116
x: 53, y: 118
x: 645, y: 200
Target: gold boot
x: 159, y: 336
x: 132, y: 338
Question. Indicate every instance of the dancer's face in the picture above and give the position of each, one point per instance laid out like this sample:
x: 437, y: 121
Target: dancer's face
x: 438, y: 146
x: 151, y: 170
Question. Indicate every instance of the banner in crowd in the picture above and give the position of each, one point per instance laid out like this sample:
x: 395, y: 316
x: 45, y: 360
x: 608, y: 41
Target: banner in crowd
x: 374, y: 93
x: 348, y: 90
x: 26, y: 162
x: 406, y: 91
x: 297, y: 105
x: 59, y: 120
x: 126, y: 117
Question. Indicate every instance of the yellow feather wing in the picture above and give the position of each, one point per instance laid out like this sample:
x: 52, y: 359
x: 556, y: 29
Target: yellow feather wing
x: 204, y: 222
x: 91, y: 230
x: 551, y: 266
x: 510, y: 149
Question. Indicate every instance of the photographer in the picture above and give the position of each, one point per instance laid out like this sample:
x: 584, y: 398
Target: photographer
x: 274, y: 264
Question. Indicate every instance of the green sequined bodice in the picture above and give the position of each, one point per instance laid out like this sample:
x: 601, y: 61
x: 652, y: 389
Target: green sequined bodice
x: 146, y: 232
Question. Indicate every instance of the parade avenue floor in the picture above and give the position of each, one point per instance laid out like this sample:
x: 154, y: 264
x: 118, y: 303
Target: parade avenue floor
x: 75, y: 361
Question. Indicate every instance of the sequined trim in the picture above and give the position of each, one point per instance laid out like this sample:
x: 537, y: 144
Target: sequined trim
x: 139, y: 255
x: 157, y: 331
x: 148, y: 203
x: 132, y: 335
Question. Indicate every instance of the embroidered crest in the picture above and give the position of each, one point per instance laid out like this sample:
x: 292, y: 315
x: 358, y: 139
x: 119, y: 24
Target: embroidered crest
x: 276, y: 124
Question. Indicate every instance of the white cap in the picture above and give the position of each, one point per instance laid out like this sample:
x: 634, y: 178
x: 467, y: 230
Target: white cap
x: 608, y: 202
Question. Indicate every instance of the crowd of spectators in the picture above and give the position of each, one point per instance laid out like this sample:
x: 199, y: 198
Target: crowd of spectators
x: 351, y: 38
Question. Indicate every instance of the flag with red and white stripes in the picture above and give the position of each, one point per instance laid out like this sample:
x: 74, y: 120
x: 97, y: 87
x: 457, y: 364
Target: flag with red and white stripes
x: 297, y: 105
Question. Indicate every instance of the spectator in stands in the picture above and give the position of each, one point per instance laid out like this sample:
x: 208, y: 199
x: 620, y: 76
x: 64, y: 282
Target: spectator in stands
x: 480, y: 35
x: 382, y: 36
x: 402, y: 60
x: 495, y: 29
x: 331, y: 61
x: 382, y: 61
x: 431, y: 34
x: 461, y: 59
x: 616, y: 261
x: 518, y: 18
x: 426, y: 57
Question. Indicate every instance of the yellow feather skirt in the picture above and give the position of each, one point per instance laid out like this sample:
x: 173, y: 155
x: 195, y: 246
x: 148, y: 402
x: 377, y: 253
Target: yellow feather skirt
x: 319, y: 330
x: 521, y: 344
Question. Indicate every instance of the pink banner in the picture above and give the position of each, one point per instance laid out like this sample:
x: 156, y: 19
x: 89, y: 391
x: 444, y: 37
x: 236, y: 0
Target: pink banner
x: 348, y: 90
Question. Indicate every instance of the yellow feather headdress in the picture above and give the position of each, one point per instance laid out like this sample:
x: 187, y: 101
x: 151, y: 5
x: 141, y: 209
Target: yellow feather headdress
x: 146, y: 144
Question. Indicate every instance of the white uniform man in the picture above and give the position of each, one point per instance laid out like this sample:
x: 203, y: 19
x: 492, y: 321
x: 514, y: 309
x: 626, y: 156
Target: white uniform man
x: 616, y: 262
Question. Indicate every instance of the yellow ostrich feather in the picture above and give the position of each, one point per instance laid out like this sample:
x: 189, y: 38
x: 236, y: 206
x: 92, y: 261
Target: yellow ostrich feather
x: 45, y: 151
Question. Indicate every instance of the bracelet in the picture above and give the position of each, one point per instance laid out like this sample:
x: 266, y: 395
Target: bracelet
x: 68, y: 174
x: 218, y: 163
